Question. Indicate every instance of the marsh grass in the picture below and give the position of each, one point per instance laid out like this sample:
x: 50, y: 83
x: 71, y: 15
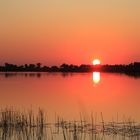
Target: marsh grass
x: 18, y: 125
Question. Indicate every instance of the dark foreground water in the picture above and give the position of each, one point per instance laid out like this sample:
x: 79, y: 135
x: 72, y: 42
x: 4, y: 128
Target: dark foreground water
x: 71, y: 95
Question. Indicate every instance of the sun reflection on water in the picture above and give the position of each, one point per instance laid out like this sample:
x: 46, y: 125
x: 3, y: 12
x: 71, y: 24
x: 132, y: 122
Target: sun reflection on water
x: 96, y: 77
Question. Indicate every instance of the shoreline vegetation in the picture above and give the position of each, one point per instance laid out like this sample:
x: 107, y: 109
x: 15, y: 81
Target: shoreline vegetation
x: 29, y: 125
x: 132, y: 69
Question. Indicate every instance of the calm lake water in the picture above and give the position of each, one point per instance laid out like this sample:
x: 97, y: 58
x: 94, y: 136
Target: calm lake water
x: 70, y: 95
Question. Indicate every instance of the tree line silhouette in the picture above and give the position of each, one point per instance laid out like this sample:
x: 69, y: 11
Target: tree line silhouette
x: 38, y: 67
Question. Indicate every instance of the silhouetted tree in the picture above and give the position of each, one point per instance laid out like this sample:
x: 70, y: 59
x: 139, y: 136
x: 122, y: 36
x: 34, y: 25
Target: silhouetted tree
x: 64, y: 67
x: 38, y: 65
x: 130, y: 69
x: 45, y: 68
x: 26, y: 66
x: 54, y: 68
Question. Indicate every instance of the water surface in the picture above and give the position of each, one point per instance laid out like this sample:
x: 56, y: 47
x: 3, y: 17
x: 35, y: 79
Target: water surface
x: 69, y: 94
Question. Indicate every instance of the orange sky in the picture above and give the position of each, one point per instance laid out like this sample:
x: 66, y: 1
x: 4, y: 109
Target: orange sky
x: 72, y: 31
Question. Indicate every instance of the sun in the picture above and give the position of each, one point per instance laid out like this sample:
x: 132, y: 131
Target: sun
x: 96, y: 62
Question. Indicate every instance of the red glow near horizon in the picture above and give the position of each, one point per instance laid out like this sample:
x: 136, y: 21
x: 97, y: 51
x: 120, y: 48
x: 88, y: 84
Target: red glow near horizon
x: 69, y: 31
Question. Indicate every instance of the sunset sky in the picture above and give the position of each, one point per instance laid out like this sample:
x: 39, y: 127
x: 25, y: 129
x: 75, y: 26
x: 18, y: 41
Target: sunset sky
x: 70, y: 31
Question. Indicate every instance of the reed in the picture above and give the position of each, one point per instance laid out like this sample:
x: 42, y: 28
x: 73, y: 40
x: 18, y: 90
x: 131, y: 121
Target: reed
x: 29, y: 125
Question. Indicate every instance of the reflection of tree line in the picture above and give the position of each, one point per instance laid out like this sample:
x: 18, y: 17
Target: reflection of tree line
x: 130, y: 69
x: 12, y: 74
